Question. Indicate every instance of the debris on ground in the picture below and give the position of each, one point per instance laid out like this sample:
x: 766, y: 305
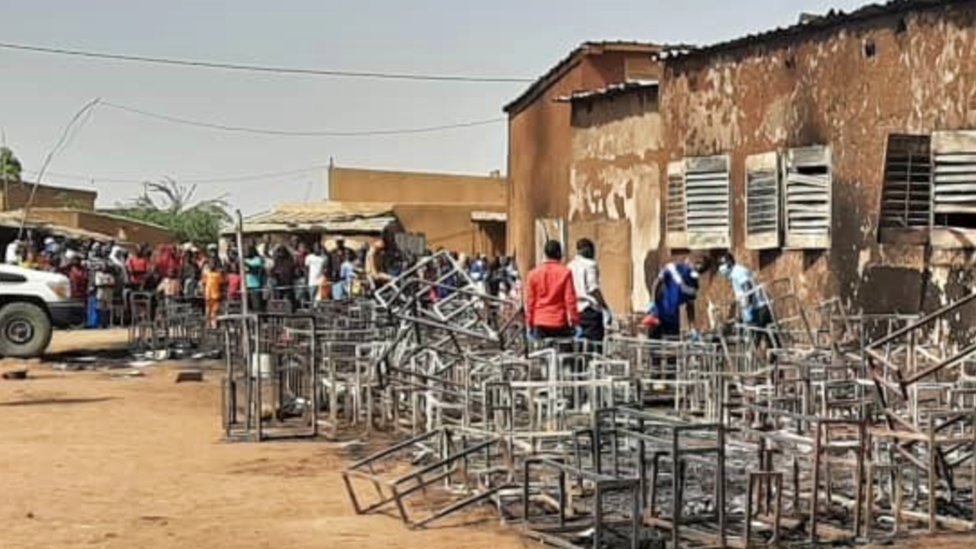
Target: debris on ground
x: 188, y: 376
x: 847, y: 428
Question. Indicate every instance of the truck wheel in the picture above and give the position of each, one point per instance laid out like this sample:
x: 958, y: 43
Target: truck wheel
x: 25, y: 330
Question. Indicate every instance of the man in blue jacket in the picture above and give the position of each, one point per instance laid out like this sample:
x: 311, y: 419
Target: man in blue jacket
x: 676, y: 287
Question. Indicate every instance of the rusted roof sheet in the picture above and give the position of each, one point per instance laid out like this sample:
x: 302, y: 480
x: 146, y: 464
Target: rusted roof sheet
x: 328, y: 217
x: 610, y: 91
x: 811, y: 25
x: 372, y: 226
x: 333, y: 207
x: 322, y: 212
x: 554, y: 74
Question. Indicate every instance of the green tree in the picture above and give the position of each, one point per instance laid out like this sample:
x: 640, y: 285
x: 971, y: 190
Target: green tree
x: 10, y: 167
x: 171, y: 204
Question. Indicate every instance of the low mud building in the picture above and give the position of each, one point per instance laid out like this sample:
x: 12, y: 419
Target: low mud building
x: 461, y: 213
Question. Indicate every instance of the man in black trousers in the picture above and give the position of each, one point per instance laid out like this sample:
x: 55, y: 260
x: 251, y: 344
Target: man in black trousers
x: 590, y: 301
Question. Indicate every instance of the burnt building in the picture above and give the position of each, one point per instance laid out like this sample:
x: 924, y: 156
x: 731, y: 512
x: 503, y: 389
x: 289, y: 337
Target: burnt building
x: 834, y: 154
x: 540, y: 138
x: 614, y: 193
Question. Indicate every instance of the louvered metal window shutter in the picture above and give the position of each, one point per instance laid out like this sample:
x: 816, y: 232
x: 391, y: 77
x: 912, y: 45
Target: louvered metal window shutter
x: 676, y: 220
x: 906, y: 199
x: 708, y: 202
x: 807, y: 197
x: 954, y: 190
x: 763, y: 201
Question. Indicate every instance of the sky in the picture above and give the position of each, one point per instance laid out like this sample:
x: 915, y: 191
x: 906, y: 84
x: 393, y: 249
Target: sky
x: 113, y: 151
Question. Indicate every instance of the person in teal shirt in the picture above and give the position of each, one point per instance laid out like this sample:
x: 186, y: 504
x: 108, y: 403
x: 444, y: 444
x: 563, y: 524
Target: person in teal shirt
x: 751, y: 298
x: 254, y: 278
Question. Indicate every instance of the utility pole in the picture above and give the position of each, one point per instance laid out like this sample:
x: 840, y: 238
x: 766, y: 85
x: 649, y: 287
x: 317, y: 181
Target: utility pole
x: 3, y: 168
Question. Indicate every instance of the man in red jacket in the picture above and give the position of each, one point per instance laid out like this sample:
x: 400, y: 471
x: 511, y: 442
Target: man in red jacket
x: 550, y: 299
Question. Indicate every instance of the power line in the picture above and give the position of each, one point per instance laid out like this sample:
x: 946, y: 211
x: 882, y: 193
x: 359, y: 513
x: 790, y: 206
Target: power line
x: 311, y: 133
x: 263, y: 68
x: 230, y: 179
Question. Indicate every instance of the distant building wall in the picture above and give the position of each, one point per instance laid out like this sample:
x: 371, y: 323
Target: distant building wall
x: 133, y: 232
x: 65, y: 218
x: 615, y: 176
x: 450, y: 226
x: 357, y: 185
x: 438, y: 205
x: 127, y: 230
x: 848, y: 86
x: 17, y: 196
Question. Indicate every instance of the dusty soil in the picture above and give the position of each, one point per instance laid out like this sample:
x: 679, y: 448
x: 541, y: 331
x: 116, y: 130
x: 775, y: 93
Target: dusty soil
x: 91, y: 460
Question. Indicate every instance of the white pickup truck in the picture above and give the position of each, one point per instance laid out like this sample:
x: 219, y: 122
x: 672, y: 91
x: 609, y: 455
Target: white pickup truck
x: 32, y: 304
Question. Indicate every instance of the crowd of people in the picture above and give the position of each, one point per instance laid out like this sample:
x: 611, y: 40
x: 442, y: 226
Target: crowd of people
x: 296, y: 272
x: 566, y: 301
x: 561, y: 301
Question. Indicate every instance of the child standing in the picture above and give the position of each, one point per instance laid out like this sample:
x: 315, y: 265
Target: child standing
x: 213, y: 290
x: 233, y: 282
x: 104, y: 293
x: 170, y: 288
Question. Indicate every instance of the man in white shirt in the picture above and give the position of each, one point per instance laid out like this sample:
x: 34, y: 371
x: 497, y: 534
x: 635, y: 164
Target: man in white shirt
x: 117, y: 257
x: 315, y: 267
x: 12, y: 256
x: 586, y: 282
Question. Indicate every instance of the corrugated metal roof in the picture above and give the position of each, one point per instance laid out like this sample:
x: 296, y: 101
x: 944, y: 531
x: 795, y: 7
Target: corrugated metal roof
x: 555, y: 73
x: 610, y: 91
x: 373, y: 225
x: 810, y: 25
x: 334, y: 207
x: 328, y: 217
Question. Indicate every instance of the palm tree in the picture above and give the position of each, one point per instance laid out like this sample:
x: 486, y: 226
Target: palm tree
x: 171, y: 204
x: 173, y: 197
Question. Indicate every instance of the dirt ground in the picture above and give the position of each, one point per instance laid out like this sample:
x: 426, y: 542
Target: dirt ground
x: 91, y: 460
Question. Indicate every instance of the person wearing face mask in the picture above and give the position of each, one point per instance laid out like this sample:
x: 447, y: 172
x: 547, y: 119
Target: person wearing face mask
x: 751, y: 298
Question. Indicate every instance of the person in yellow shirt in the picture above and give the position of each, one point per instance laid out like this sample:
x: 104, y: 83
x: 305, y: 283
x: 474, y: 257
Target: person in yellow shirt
x: 213, y: 290
x: 30, y: 261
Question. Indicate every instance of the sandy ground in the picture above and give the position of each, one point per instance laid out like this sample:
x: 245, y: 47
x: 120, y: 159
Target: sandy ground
x: 88, y: 460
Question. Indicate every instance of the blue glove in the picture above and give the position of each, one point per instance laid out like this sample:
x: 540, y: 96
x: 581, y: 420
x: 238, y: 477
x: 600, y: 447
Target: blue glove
x: 533, y: 334
x: 578, y: 332
x: 652, y: 310
x: 695, y: 336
